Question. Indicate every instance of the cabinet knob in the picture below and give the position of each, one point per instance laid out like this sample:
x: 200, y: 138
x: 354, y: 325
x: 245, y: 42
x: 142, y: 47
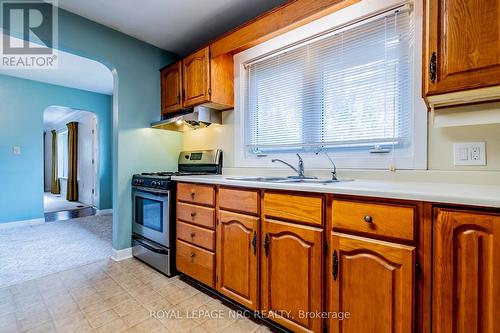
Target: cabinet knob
x: 192, y: 255
x: 368, y: 219
x: 193, y: 214
x: 193, y: 234
x: 192, y: 194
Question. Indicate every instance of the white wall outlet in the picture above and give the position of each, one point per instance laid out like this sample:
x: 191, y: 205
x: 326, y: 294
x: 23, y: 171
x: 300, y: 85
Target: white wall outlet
x: 469, y: 153
x: 16, y: 150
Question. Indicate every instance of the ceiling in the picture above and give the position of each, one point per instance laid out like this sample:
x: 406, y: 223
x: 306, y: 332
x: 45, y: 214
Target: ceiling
x: 73, y: 71
x: 179, y: 26
x: 56, y: 117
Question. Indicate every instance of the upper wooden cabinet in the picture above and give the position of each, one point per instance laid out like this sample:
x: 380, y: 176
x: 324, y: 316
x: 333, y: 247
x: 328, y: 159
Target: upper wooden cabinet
x: 372, y: 280
x: 463, y: 46
x: 198, y: 80
x: 466, y: 287
x: 171, y: 88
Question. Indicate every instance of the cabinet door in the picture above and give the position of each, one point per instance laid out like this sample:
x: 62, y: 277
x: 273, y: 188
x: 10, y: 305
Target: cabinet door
x: 196, y: 78
x: 373, y: 281
x: 291, y: 275
x: 171, y: 88
x: 237, y: 253
x: 464, y: 37
x: 466, y: 278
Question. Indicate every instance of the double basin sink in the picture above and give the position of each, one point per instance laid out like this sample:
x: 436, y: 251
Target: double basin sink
x: 289, y: 180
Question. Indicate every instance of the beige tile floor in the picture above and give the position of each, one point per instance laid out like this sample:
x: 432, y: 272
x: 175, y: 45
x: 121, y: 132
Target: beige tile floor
x: 109, y: 296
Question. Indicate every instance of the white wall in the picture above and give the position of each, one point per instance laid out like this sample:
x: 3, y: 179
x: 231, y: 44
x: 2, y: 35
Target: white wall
x: 86, y: 169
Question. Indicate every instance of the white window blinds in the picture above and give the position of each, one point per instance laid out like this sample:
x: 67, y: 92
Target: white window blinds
x: 349, y: 89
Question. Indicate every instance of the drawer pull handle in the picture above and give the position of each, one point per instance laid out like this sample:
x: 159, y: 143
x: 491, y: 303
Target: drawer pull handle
x: 193, y: 234
x: 193, y: 193
x: 368, y: 219
x: 192, y: 255
x: 193, y: 214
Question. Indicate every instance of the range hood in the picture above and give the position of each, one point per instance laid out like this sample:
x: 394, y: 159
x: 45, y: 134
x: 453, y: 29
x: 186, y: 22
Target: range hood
x: 185, y: 120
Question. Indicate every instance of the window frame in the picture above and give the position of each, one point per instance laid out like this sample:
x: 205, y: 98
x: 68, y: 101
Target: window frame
x: 351, y: 159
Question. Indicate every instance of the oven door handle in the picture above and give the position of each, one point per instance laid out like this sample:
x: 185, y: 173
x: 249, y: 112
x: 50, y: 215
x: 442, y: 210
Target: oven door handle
x: 144, y: 193
x: 149, y: 246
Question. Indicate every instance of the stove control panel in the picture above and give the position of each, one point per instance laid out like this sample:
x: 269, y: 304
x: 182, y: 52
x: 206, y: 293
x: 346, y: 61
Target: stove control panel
x: 150, y: 182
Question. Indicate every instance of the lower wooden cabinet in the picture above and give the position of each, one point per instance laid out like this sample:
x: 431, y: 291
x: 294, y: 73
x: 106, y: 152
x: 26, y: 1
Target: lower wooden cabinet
x: 196, y: 262
x: 237, y: 258
x: 291, y: 275
x: 466, y: 284
x: 271, y: 259
x: 372, y: 281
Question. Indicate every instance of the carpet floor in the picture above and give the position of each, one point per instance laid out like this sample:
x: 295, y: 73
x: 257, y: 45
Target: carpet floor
x: 55, y: 203
x: 29, y: 252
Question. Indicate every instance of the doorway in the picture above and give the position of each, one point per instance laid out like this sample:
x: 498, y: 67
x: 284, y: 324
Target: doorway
x: 57, y: 163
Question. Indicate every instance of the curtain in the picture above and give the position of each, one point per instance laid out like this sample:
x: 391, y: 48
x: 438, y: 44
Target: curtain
x: 54, y: 182
x: 72, y: 192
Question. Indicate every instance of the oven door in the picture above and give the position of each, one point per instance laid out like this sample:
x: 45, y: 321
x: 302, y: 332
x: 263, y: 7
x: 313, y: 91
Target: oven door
x: 150, y: 215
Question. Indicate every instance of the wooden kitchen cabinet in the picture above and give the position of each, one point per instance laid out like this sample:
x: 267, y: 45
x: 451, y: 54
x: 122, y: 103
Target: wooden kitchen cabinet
x: 291, y: 275
x: 305, y: 209
x: 237, y: 257
x: 195, y: 224
x: 466, y: 287
x: 196, y: 262
x: 171, y: 88
x: 373, y: 281
x: 463, y: 45
x: 208, y: 81
x: 196, y: 77
x: 374, y: 218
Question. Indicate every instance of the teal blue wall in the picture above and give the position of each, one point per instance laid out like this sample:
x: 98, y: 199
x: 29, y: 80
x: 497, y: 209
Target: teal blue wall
x: 136, y: 147
x: 21, y: 111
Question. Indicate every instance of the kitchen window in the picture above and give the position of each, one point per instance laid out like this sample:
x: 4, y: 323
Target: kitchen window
x: 350, y: 90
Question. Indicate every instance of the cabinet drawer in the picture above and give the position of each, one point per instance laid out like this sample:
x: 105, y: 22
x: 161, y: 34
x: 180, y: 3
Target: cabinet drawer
x: 373, y: 218
x: 305, y: 209
x: 239, y: 200
x: 199, y: 215
x: 195, y: 235
x: 196, y: 262
x: 196, y: 193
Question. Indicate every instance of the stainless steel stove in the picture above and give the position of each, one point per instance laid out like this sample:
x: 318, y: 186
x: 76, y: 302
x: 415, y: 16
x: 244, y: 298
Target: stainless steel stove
x: 153, y: 216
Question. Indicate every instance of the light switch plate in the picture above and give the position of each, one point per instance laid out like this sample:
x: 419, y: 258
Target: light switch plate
x: 469, y: 153
x: 16, y: 150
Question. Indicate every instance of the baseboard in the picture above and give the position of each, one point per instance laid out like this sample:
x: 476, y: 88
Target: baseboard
x: 104, y: 211
x: 119, y: 255
x: 24, y: 223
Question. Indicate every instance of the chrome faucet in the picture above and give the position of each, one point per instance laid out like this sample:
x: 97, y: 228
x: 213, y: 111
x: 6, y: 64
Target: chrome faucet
x: 299, y: 170
x: 334, y: 172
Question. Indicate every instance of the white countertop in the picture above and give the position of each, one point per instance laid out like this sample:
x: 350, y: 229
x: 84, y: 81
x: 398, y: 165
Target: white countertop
x: 464, y: 194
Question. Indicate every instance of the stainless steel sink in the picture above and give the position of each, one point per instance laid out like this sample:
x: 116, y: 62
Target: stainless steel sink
x: 322, y: 181
x: 289, y: 180
x: 261, y: 179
